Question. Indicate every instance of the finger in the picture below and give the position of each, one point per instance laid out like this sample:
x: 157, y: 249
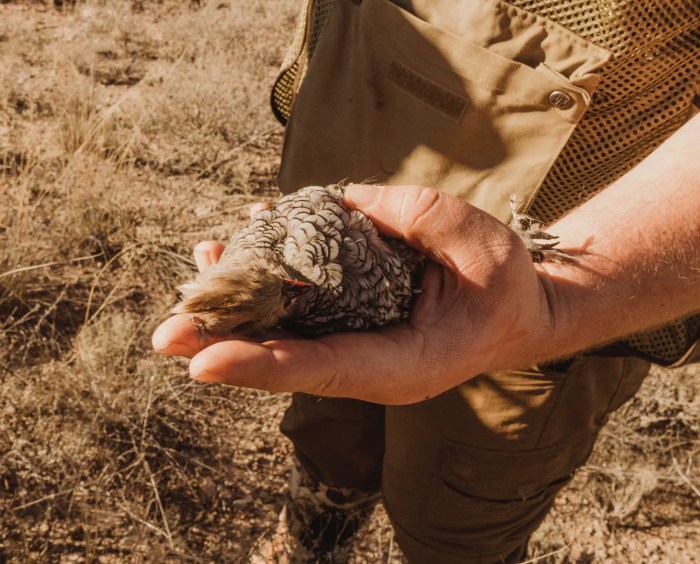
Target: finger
x: 257, y: 208
x: 383, y: 372
x: 384, y: 204
x: 178, y: 336
x: 425, y: 218
x: 207, y: 253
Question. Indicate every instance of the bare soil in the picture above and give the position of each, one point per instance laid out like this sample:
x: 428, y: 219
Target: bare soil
x: 129, y: 131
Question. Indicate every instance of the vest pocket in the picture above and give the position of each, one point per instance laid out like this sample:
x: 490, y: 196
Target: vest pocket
x: 389, y: 97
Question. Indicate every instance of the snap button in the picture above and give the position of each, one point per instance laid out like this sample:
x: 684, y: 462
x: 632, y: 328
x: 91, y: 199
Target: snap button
x: 560, y: 100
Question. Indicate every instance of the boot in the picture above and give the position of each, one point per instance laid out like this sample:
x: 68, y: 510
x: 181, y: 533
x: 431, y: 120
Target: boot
x: 317, y: 524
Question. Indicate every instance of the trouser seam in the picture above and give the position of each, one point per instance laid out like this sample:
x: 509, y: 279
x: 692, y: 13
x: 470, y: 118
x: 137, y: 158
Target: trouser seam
x: 623, y: 372
x: 555, y: 404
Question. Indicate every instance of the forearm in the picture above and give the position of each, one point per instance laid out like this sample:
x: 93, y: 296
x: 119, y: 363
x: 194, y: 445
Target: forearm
x: 639, y: 258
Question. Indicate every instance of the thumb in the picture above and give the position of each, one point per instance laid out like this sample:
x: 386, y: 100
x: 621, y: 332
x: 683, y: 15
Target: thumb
x: 439, y: 225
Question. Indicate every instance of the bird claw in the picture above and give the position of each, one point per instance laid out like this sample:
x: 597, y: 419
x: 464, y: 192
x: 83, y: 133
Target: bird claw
x: 542, y: 253
x: 530, y: 232
x: 201, y: 327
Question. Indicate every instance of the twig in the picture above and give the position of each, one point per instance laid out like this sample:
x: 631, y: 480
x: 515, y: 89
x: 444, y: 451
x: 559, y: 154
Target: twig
x: 45, y: 498
x: 22, y: 319
x: 143, y: 521
x: 149, y: 403
x: 46, y: 265
x: 88, y: 317
x: 553, y: 553
x: 70, y: 490
x: 172, y: 453
x: 232, y: 153
x: 620, y: 474
x: 684, y: 476
x: 135, y: 334
x: 50, y: 309
x: 160, y: 505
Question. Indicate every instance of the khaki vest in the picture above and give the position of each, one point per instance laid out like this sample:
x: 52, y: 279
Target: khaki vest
x: 551, y: 101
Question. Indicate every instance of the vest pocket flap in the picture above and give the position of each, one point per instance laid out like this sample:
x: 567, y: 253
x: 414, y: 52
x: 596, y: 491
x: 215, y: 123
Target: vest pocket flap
x: 514, y: 34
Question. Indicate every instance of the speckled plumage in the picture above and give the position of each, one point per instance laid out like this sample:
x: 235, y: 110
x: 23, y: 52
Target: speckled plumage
x: 308, y: 264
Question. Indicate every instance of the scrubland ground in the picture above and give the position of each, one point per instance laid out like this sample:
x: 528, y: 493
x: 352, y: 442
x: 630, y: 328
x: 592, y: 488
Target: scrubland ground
x: 129, y: 131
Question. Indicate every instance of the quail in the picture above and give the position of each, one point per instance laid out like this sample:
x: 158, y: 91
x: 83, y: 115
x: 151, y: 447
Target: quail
x: 311, y: 265
x: 308, y: 264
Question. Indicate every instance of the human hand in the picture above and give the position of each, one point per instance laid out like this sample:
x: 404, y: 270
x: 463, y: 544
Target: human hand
x: 483, y: 306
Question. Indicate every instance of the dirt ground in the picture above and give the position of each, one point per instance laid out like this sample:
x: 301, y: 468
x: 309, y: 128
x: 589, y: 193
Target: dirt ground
x: 129, y: 131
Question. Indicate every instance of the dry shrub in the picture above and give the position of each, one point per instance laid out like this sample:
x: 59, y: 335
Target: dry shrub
x: 649, y: 446
x: 77, y: 200
x: 215, y: 68
x: 73, y: 249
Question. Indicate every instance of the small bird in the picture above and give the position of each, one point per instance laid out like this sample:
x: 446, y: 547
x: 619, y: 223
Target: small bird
x: 313, y: 266
x: 309, y: 264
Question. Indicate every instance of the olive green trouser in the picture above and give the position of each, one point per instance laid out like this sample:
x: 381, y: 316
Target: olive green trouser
x: 469, y: 475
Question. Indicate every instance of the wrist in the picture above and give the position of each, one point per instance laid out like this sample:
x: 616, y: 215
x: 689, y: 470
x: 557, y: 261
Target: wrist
x: 555, y: 316
x: 533, y: 336
x: 585, y: 307
x: 557, y: 327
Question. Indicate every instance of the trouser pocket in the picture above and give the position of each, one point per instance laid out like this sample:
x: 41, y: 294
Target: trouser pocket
x: 391, y: 97
x: 492, y: 501
x: 469, y: 475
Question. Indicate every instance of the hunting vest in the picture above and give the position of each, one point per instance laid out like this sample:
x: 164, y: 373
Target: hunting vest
x: 549, y: 100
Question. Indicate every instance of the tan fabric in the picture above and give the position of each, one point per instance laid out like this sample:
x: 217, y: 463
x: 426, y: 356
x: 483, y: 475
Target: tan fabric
x: 469, y: 475
x: 312, y: 19
x: 427, y: 106
x: 478, y: 124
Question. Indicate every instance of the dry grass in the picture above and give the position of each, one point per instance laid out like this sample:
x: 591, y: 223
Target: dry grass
x: 128, y: 132
x: 122, y: 127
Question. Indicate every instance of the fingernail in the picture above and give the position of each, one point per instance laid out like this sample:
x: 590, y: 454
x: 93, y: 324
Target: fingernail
x: 361, y: 195
x: 159, y: 341
x: 201, y: 254
x: 163, y: 345
x: 205, y: 376
x: 200, y: 373
x: 175, y: 349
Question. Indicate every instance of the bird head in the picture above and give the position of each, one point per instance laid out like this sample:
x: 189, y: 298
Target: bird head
x: 243, y: 296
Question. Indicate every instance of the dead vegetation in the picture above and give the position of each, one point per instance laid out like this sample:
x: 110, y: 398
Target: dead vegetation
x: 129, y: 131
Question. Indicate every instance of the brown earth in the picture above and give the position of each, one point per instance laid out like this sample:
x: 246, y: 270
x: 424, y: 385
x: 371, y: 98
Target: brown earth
x: 129, y: 131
